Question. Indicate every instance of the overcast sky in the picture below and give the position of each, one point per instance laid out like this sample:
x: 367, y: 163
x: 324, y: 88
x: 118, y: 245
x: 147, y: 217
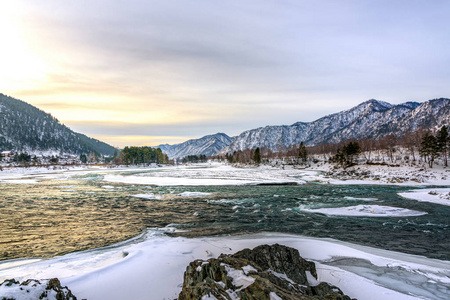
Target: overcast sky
x: 145, y: 72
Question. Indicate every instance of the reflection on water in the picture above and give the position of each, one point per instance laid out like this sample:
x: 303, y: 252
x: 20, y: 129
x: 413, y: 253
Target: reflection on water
x: 54, y: 217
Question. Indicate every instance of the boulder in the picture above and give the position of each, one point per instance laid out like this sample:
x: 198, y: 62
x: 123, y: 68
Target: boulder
x: 267, y: 272
x: 49, y: 289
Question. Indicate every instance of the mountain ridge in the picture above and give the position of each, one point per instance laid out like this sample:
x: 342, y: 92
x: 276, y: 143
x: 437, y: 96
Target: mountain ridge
x: 369, y: 119
x: 26, y: 128
x: 207, y: 145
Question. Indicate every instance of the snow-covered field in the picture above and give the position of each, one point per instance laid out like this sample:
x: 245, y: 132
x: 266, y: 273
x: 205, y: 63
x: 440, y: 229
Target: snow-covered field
x: 222, y: 174
x: 381, y: 175
x: 206, y: 174
x: 152, y: 267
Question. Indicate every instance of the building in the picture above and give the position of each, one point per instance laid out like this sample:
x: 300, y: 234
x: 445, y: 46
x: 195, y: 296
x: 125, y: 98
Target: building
x: 7, y: 155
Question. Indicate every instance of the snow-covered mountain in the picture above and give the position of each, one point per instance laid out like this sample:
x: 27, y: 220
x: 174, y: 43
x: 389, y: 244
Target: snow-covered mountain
x: 24, y: 127
x: 207, y: 145
x: 372, y: 118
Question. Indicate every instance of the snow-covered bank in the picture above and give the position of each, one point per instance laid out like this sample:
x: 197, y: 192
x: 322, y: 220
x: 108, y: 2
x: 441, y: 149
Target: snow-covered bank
x: 438, y: 196
x: 223, y: 174
x: 215, y: 174
x: 381, y: 175
x: 153, y: 268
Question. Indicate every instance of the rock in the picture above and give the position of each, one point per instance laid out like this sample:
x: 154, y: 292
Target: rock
x: 47, y: 289
x: 266, y: 272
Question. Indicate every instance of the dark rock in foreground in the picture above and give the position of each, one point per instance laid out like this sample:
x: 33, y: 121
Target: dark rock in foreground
x: 48, y: 289
x: 266, y: 272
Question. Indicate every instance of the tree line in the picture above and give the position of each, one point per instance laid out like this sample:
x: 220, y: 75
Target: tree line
x: 141, y: 155
x: 389, y: 149
x: 433, y: 146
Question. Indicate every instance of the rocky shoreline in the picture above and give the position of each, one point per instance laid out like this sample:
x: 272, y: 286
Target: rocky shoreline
x: 266, y: 272
x: 269, y: 272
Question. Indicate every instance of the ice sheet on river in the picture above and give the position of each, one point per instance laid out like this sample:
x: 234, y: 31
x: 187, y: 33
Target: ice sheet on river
x: 152, y: 267
x: 209, y: 175
x: 366, y: 211
x: 438, y: 196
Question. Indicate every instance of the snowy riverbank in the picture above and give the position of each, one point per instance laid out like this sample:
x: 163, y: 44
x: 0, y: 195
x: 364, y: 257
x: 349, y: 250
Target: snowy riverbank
x: 153, y: 267
x: 223, y: 174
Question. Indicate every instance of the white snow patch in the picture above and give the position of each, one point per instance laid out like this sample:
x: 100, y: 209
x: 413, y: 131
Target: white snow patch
x: 360, y: 198
x: 108, y: 187
x: 193, y: 194
x: 438, y: 196
x: 366, y: 211
x: 248, y: 268
x: 34, y: 290
x: 274, y: 296
x: 240, y: 280
x: 209, y: 297
x: 149, y: 196
x: 282, y: 276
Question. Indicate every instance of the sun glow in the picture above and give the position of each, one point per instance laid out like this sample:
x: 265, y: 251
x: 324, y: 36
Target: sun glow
x: 20, y: 66
x: 142, y: 140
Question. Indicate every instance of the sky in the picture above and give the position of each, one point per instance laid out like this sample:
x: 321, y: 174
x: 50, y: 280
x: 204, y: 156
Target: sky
x: 143, y: 72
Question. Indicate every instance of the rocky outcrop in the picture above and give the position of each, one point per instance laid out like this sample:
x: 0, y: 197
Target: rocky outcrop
x: 266, y: 272
x: 48, y: 289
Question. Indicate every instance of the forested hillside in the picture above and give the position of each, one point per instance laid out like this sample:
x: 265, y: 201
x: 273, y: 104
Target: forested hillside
x: 24, y: 127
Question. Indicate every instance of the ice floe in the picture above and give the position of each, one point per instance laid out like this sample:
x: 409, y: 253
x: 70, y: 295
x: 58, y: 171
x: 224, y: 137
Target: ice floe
x: 149, y: 196
x: 438, y: 196
x: 366, y: 211
x: 193, y: 194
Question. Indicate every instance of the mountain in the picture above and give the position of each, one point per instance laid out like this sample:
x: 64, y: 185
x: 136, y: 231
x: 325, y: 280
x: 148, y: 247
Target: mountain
x: 24, y: 127
x: 370, y: 119
x: 207, y: 145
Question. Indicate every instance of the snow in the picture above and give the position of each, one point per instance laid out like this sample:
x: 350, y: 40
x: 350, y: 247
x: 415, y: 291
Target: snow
x: 282, y: 276
x: 274, y: 296
x: 153, y: 267
x: 207, y: 175
x: 240, y: 280
x: 248, y: 268
x: 149, y: 196
x: 366, y: 211
x: 359, y: 198
x: 193, y: 194
x: 33, y: 290
x: 380, y: 175
x: 108, y: 187
x: 437, y: 196
x: 221, y: 174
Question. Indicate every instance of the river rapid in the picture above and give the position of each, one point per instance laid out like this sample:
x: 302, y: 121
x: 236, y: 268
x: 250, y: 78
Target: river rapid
x: 45, y: 216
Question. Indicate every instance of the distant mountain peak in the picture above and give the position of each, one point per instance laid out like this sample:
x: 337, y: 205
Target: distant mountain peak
x: 370, y: 119
x: 207, y: 145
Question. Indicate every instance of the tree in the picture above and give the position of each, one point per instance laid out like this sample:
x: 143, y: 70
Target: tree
x: 347, y: 155
x: 443, y: 141
x: 429, y: 149
x: 257, y: 156
x: 302, y: 153
x: 351, y: 151
x: 83, y: 158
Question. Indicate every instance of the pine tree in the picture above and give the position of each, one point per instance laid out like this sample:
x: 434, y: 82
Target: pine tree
x: 443, y: 141
x: 302, y: 153
x: 429, y: 148
x: 257, y: 156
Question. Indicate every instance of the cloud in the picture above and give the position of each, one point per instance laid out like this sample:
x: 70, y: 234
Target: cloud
x: 182, y: 69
